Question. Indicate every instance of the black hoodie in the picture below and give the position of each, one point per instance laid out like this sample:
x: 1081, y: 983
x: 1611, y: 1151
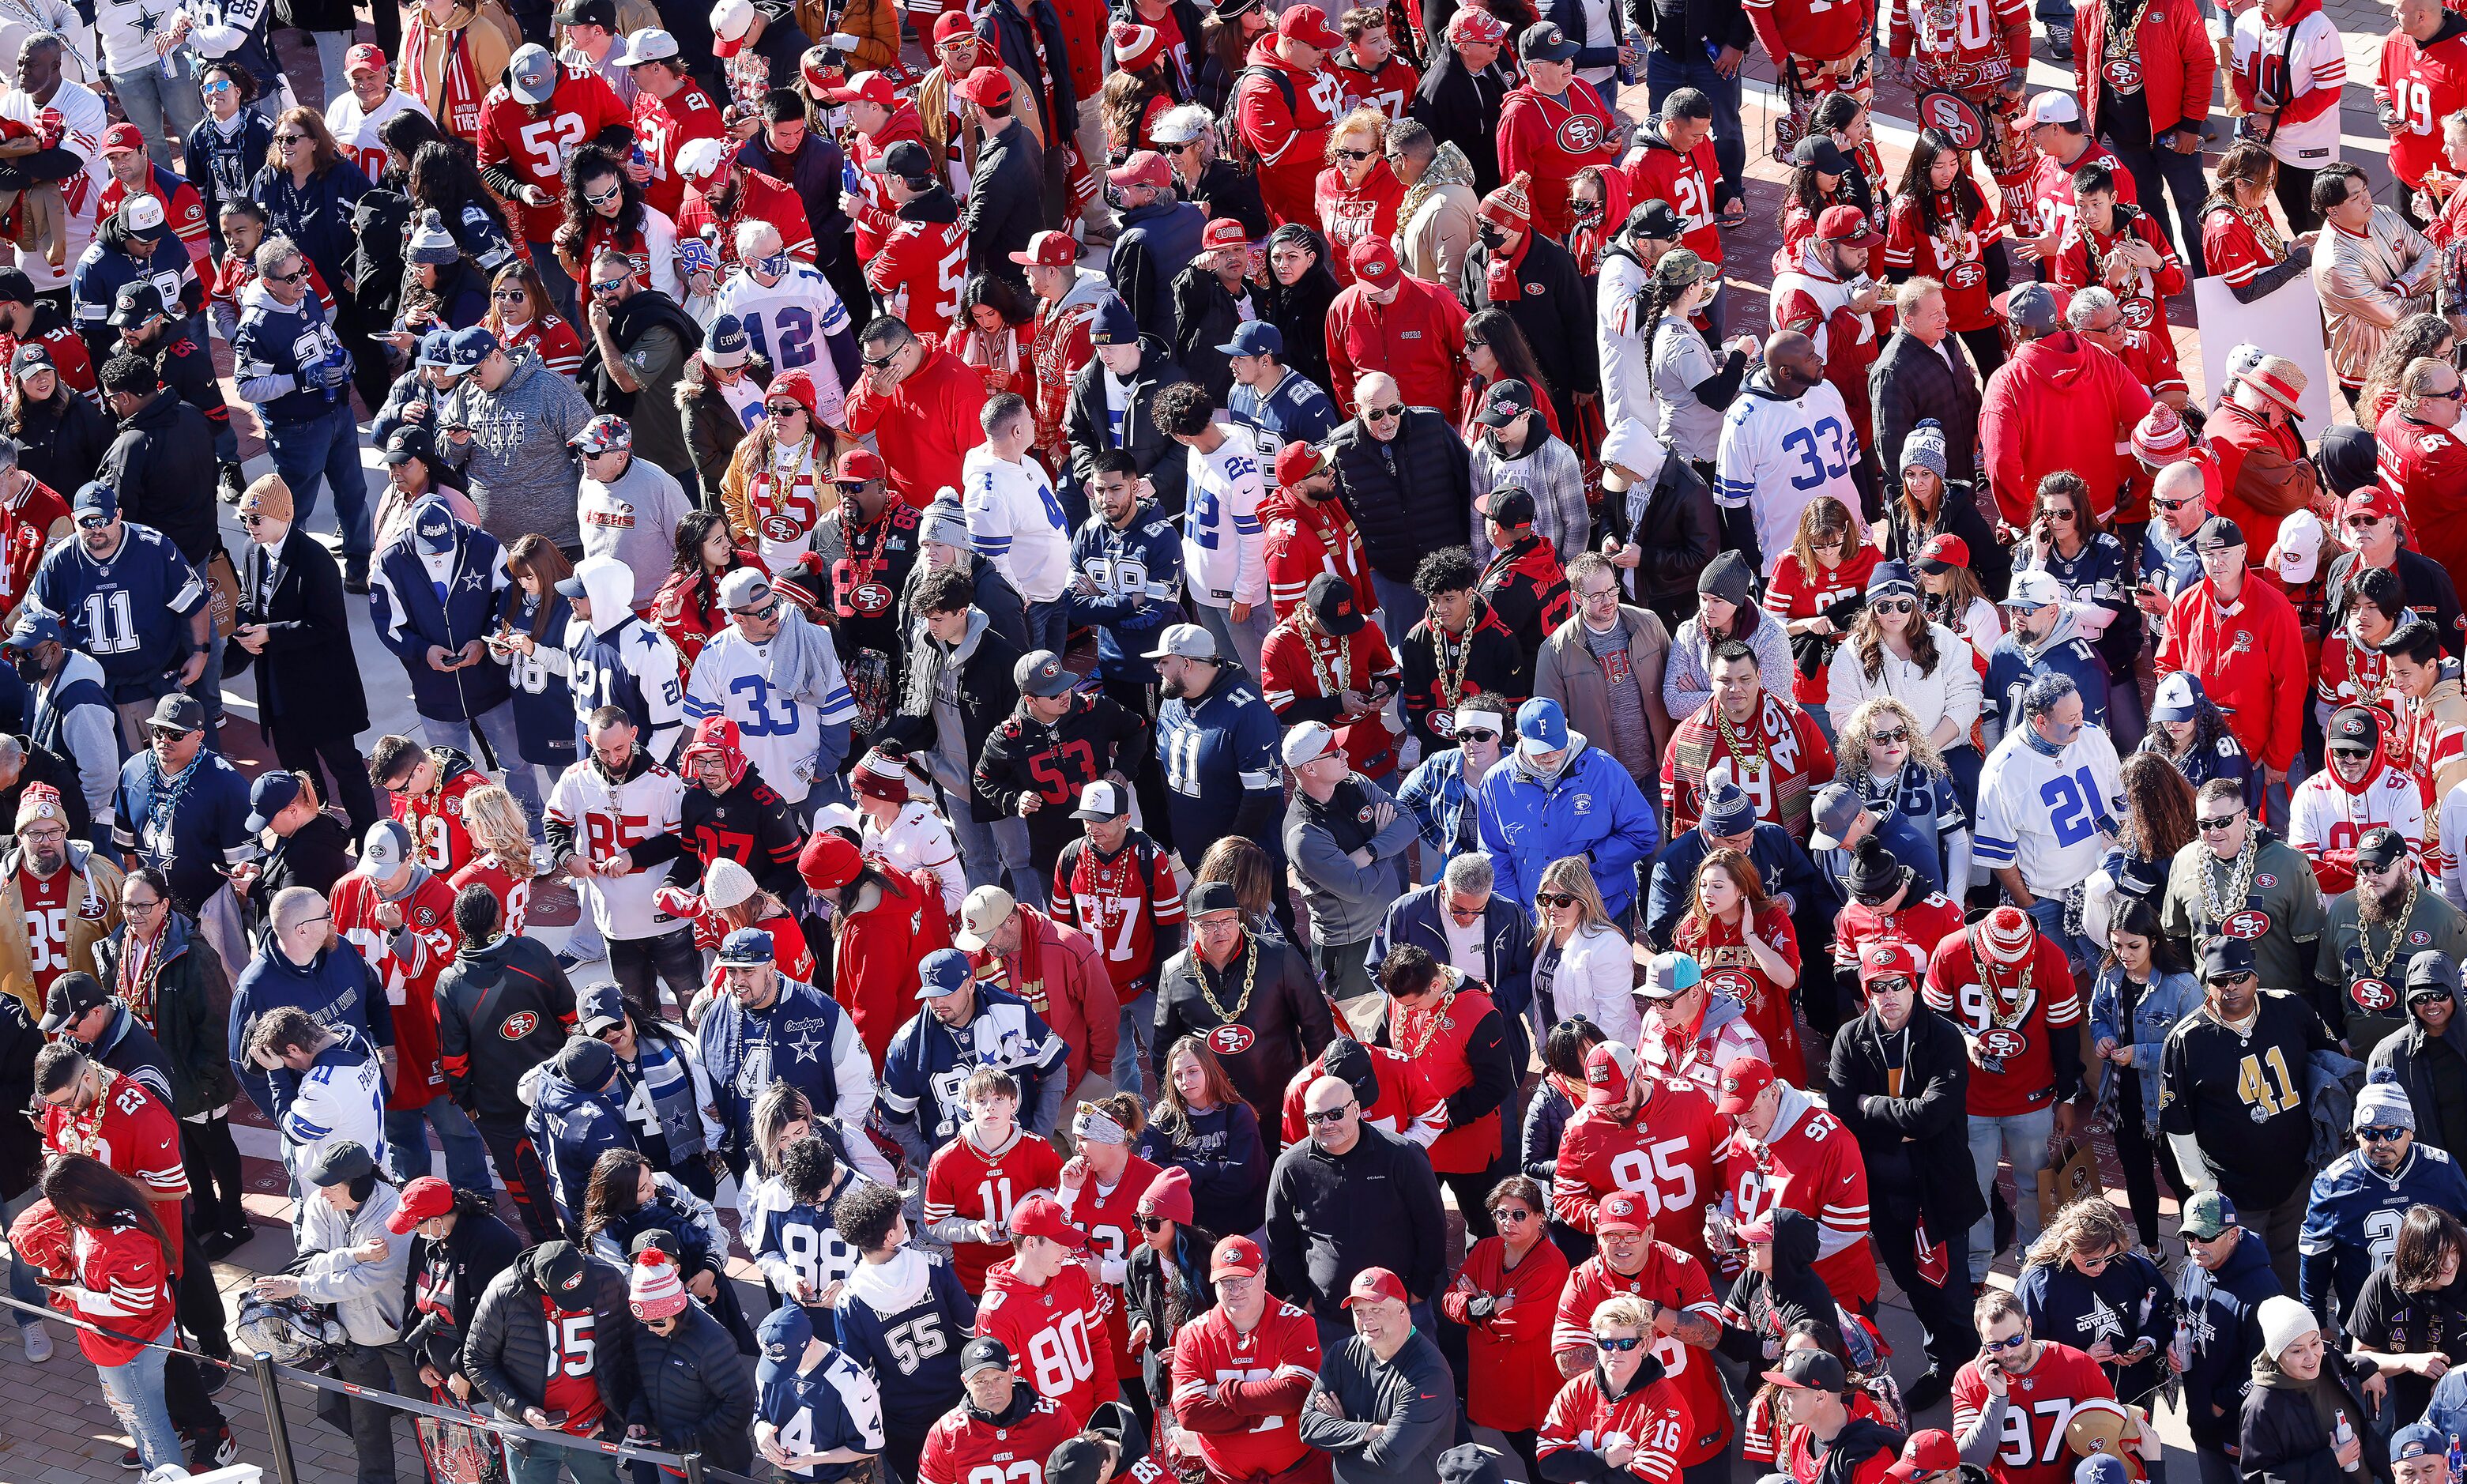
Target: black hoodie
x: 154, y: 462
x: 1768, y: 1306
x: 502, y: 1009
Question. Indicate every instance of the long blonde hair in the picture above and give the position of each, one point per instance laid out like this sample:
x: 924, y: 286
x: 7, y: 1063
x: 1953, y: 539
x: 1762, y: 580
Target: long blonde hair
x: 2090, y: 1225
x: 498, y: 826
x: 1574, y: 875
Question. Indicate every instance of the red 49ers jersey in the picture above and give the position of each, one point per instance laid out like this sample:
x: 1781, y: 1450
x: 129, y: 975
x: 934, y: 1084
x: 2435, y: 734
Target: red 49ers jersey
x: 2011, y: 1072
x: 918, y: 272
x: 964, y: 1181
x: 1926, y: 922
x: 1056, y: 1334
x: 2422, y: 86
x: 130, y: 1129
x: 1811, y: 1165
x: 1119, y: 904
x: 489, y: 871
x: 1674, y: 1280
x: 1665, y: 1155
x: 2040, y: 1403
x: 1964, y: 42
x: 1207, y: 1350
x: 181, y: 207
x: 1659, y: 173
x: 2420, y: 463
x: 661, y: 125
x: 1954, y: 254
x: 1388, y: 87
x: 1825, y: 30
x: 1654, y: 1418
x: 47, y: 926
x: 409, y: 977
x: 438, y: 839
x: 1111, y: 1219
x: 961, y: 1449
x: 1402, y: 1107
x: 533, y: 148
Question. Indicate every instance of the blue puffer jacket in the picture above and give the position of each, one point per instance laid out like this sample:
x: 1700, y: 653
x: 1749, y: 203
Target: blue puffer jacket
x: 572, y: 1128
x: 336, y: 987
x: 1593, y: 808
x: 410, y: 617
x: 2154, y: 1014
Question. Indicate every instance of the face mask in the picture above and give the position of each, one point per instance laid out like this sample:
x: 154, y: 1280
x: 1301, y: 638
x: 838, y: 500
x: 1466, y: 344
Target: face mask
x: 29, y: 669
x: 1585, y: 210
x: 1492, y: 238
x: 776, y: 265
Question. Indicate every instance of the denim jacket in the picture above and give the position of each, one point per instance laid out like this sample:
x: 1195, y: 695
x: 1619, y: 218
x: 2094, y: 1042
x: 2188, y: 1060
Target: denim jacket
x: 1435, y: 792
x: 2163, y: 1003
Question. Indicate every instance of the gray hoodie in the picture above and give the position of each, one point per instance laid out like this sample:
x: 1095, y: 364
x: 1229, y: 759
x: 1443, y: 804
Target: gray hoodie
x: 635, y: 520
x: 520, y: 474
x: 367, y: 1297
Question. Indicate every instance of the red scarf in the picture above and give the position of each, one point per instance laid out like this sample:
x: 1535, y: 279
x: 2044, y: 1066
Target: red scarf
x: 1499, y: 274
x: 1022, y: 973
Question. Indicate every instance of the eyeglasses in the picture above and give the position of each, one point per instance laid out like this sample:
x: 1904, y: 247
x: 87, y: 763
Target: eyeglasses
x: 2359, y: 521
x: 1888, y: 738
x: 1330, y: 1116
x: 1623, y: 1344
x: 1997, y: 1346
x: 1511, y: 1213
x: 1354, y: 154
x: 602, y: 197
x: 2378, y: 1134
x: 140, y: 908
x: 1598, y: 593
x: 1476, y: 734
x: 43, y: 832
x: 1555, y: 899
x: 2223, y: 821
x: 1895, y: 606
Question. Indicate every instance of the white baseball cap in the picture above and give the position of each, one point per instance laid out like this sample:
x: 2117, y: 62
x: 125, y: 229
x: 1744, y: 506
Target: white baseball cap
x: 2054, y: 106
x: 2033, y: 589
x: 1308, y: 743
x: 2301, y: 536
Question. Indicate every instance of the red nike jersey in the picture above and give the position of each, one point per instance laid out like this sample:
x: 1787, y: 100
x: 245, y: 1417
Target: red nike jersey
x: 961, y: 1449
x: 2013, y: 1072
x: 1665, y: 1155
x: 1119, y: 904
x: 964, y: 1181
x: 1111, y: 1219
x: 919, y: 273
x: 1674, y: 1280
x: 130, y: 1129
x: 1926, y: 922
x: 1954, y: 254
x: 1403, y: 1108
x: 1825, y: 30
x: 535, y: 147
x: 2423, y: 86
x: 1812, y: 1166
x: 1553, y: 140
x: 1056, y: 1334
x: 1654, y: 1418
x: 181, y: 207
x: 515, y: 896
x: 438, y: 839
x: 409, y: 977
x: 2032, y: 1449
x: 661, y: 125
x: 47, y: 925
x: 1281, y: 1356
x: 1389, y: 87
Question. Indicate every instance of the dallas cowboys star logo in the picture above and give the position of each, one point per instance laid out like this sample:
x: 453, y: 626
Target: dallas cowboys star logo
x: 2102, y: 1322
x: 475, y: 580
x: 806, y: 1047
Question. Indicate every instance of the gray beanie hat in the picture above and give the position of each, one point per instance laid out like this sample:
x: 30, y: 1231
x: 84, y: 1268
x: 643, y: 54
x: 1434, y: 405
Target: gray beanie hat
x: 1924, y: 448
x: 1728, y: 576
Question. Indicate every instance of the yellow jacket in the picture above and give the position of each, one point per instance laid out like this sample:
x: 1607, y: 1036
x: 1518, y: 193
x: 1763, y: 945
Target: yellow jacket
x: 92, y: 915
x: 490, y: 28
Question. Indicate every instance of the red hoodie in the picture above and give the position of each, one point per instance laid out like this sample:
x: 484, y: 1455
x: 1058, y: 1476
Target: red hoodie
x: 924, y: 425
x: 2059, y: 403
x: 1289, y: 138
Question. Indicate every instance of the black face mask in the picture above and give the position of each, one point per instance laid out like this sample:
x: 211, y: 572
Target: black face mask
x: 1492, y: 238
x: 29, y: 669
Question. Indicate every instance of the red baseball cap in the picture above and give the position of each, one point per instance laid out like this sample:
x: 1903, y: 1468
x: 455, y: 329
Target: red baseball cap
x: 1943, y: 552
x: 1145, y: 168
x: 953, y: 24
x: 857, y: 466
x: 1608, y: 1069
x: 2372, y: 499
x: 122, y: 138
x: 1477, y: 26
x: 1742, y: 1081
x: 865, y: 87
x: 363, y: 57
x: 1308, y: 25
x: 1759, y: 1230
x: 1930, y: 1451
x: 1049, y: 250
x: 1223, y: 232
x: 1239, y: 1257
x: 1372, y: 258
x: 1890, y: 958
x: 1297, y: 462
x: 424, y: 1199
x: 1373, y: 1283
x: 1847, y: 226
x: 1621, y: 1210
x: 1040, y: 1215
x: 986, y: 87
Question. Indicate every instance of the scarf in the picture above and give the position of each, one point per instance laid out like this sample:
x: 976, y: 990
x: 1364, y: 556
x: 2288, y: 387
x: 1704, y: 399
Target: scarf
x: 459, y: 83
x: 926, y: 663
x: 1023, y: 971
x: 1499, y: 272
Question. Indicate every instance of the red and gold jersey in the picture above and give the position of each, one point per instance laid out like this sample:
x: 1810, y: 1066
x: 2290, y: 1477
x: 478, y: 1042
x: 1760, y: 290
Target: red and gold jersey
x: 760, y: 198
x: 182, y: 209
x: 962, y: 1450
x: 919, y: 273
x: 2352, y: 671
x: 534, y: 144
x: 1308, y: 664
x: 1056, y: 1334
x: 1659, y: 172
x: 1111, y: 1218
x: 1784, y: 758
x: 1811, y: 1165
x: 409, y: 976
x: 514, y: 895
x: 660, y: 126
x: 1119, y: 904
x: 1667, y: 1155
x: 2041, y: 1401
x: 1721, y: 950
x: 47, y: 925
x: 1402, y: 1107
x: 438, y: 839
x: 1925, y: 922
x: 965, y: 1182
x: 2011, y: 1018
x: 1954, y: 251
x: 1674, y: 1280
x: 130, y: 1129
x: 1821, y: 30
x: 1654, y: 1418
x: 1280, y: 1353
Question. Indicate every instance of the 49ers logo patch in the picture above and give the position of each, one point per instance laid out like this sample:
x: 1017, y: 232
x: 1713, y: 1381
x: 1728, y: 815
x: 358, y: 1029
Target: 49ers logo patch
x: 781, y: 528
x: 2374, y: 994
x: 1730, y: 981
x: 869, y: 599
x: 1967, y: 276
x: 2002, y: 1043
x: 1953, y: 114
x: 2248, y: 924
x: 1580, y: 133
x: 1230, y: 1040
x: 2123, y: 73
x: 520, y: 1023
x: 2139, y: 313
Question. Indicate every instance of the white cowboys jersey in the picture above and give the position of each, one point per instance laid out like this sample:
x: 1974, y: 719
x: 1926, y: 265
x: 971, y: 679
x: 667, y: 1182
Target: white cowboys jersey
x: 790, y: 322
x: 1224, y: 547
x: 1778, y: 456
x: 2049, y: 816
x: 732, y: 678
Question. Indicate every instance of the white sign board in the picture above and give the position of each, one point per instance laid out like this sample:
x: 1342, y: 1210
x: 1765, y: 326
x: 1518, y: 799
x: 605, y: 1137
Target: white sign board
x: 2285, y: 322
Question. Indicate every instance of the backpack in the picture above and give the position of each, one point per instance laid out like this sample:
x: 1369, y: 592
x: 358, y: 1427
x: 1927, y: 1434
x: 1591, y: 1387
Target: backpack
x: 1237, y: 150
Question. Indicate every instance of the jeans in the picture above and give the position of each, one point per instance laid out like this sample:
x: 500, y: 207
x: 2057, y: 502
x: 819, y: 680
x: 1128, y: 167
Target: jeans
x: 2022, y: 1141
x: 1942, y: 1310
x: 996, y: 854
x: 1138, y: 1039
x: 1664, y: 74
x: 1049, y: 626
x: 1242, y: 641
x: 407, y: 1157
x: 539, y: 1465
x: 370, y: 1425
x: 2049, y: 913
x: 135, y: 1391
x: 2182, y: 176
x: 328, y: 445
x: 333, y: 50
x: 346, y: 771
x: 157, y: 103
x: 670, y: 957
x: 22, y: 1286
x: 1344, y: 968
x: 505, y: 752
x: 1400, y: 608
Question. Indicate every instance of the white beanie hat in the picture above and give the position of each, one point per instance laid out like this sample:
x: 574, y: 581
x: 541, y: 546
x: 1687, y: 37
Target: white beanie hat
x: 726, y: 883
x: 2284, y: 1321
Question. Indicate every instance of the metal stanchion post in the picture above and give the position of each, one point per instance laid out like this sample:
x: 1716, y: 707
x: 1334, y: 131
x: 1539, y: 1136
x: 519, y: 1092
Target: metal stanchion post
x: 693, y: 1466
x: 278, y: 1433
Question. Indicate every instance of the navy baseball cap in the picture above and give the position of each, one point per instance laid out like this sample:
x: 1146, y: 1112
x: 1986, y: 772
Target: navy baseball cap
x: 784, y: 1333
x: 94, y: 497
x: 599, y: 1006
x: 2416, y: 1441
x: 469, y: 346
x: 1114, y: 325
x: 1255, y: 337
x: 434, y: 351
x: 945, y: 971
x: 270, y: 794
x: 433, y: 524
x: 745, y: 948
x: 1540, y: 727
x: 32, y: 628
x: 728, y: 344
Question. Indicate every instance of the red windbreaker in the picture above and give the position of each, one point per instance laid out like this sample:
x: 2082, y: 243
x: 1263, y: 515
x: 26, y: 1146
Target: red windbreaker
x: 2251, y: 661
x: 1417, y: 338
x: 923, y: 426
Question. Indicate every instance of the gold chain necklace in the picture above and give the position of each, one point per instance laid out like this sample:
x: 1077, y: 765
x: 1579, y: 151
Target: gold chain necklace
x: 2379, y: 968
x: 1452, y: 682
x: 1998, y: 1017
x: 1249, y: 980
x: 1430, y: 1026
x: 1333, y: 678
x: 2239, y: 878
x: 1749, y: 764
x: 2263, y: 228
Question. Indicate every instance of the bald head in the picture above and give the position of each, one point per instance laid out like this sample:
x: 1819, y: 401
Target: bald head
x: 1376, y: 389
x: 1793, y: 354
x: 1334, y: 1116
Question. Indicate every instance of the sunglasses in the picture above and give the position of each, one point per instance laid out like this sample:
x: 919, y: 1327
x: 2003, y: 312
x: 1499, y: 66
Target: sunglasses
x: 2171, y: 504
x: 783, y: 409
x: 1152, y: 1224
x: 2231, y: 980
x: 400, y: 785
x: 2066, y: 516
x: 1329, y: 1116
x: 879, y: 362
x: 1511, y: 1213
x: 1888, y: 738
x: 2223, y: 821
x: 1895, y: 606
x: 252, y: 519
x: 1353, y: 154
x: 166, y: 733
x: 1895, y: 985
x: 1621, y: 1345
x: 2433, y: 992
x: 212, y: 89
x: 510, y: 296
x: 1997, y: 1346
x: 609, y: 287
x: 759, y: 614
x: 293, y: 276
x: 1476, y: 734
x: 290, y: 139
x: 603, y: 197
x: 1383, y: 414
x: 1555, y: 899
x: 2377, y: 1134
x: 93, y: 521
x: 2097, y: 1259
x: 1471, y: 344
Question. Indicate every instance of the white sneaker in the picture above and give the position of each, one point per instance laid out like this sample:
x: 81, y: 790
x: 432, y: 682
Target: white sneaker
x: 38, y: 1342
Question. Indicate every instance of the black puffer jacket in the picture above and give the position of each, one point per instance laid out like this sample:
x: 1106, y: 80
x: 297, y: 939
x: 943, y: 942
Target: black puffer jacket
x: 505, y: 1349
x: 1408, y: 498
x: 2284, y: 1440
x: 1769, y: 1305
x: 1914, y: 1144
x: 1300, y: 312
x: 1087, y: 423
x: 696, y: 1391
x: 1555, y: 311
x: 61, y: 441
x: 1673, y: 520
x: 476, y: 1252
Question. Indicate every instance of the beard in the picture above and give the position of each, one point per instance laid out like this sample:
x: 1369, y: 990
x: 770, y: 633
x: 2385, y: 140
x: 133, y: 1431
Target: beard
x: 46, y: 861
x: 2380, y: 906
x: 1174, y: 688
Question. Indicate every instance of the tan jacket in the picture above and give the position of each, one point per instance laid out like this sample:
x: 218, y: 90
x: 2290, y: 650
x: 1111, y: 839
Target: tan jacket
x: 934, y: 112
x: 735, y: 497
x: 2369, y: 283
x: 93, y: 916
x: 873, y: 23
x: 489, y: 28
x: 1567, y: 672
x: 1435, y: 226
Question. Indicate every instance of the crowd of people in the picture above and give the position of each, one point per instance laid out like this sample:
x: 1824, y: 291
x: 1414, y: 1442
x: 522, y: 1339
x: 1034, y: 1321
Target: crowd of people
x: 1156, y: 647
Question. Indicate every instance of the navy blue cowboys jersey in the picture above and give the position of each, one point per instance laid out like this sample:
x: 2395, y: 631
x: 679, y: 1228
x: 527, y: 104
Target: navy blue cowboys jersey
x: 2352, y: 1218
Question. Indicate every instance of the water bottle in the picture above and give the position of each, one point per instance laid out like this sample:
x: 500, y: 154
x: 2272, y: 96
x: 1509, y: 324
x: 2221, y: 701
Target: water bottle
x: 640, y: 158
x: 2457, y: 1455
